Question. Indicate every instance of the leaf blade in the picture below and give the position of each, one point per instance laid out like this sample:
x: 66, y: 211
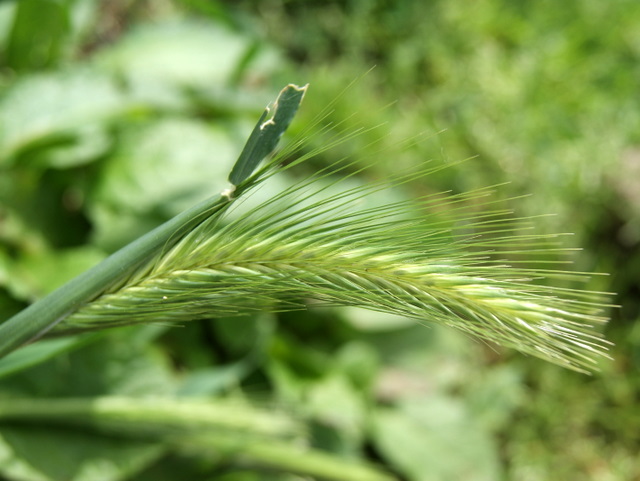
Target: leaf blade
x: 267, y: 133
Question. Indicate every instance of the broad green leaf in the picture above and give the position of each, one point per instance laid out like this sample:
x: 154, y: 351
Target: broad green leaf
x: 360, y: 362
x: 85, y: 145
x: 37, y: 353
x: 41, y: 209
x: 110, y: 366
x: 159, y: 170
x: 39, y: 453
x: 494, y: 398
x: 33, y: 275
x: 435, y: 438
x: 35, y: 45
x: 7, y: 15
x: 336, y: 404
x: 51, y: 108
x: 421, y: 358
x: 183, y: 53
x: 214, y: 380
x: 241, y: 336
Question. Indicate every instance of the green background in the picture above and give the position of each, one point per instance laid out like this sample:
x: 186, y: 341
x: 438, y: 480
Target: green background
x: 115, y: 116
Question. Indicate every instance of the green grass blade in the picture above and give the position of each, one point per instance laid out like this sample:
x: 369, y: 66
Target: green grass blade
x: 239, y: 432
x: 39, y: 352
x: 151, y: 418
x: 44, y: 314
x: 267, y: 133
x: 275, y: 455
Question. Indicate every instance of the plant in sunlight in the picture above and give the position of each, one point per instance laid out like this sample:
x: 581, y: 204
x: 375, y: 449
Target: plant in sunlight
x: 432, y: 258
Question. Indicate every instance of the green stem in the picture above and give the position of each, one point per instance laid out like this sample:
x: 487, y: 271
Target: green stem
x: 151, y: 418
x: 240, y: 434
x: 285, y: 457
x: 41, y: 316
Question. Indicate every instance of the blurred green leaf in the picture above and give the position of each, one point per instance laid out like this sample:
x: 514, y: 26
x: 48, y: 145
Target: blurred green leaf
x: 494, y: 397
x: 160, y: 169
x: 374, y: 321
x: 109, y: 366
x: 36, y: 453
x: 360, y: 362
x: 7, y: 16
x: 335, y: 403
x: 212, y: 381
x: 49, y: 109
x: 36, y: 274
x: 435, y: 438
x: 420, y: 359
x: 35, y: 45
x: 39, y: 352
x: 87, y: 144
x: 186, y: 53
x: 559, y: 121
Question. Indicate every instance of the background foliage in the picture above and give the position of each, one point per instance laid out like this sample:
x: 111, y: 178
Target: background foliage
x: 115, y: 116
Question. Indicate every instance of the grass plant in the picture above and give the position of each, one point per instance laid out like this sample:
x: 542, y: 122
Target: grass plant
x: 135, y: 114
x: 461, y: 269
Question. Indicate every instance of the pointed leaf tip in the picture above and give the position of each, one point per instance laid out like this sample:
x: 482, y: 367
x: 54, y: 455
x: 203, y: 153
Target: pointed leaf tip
x: 267, y: 132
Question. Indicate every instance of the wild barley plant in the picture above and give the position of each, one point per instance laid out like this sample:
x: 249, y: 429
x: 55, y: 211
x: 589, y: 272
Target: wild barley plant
x: 460, y: 269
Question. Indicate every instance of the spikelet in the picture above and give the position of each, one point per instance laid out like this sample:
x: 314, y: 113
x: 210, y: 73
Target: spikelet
x: 459, y: 269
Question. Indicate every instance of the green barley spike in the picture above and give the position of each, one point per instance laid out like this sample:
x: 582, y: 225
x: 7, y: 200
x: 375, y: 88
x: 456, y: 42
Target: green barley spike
x: 463, y: 270
x: 398, y: 258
